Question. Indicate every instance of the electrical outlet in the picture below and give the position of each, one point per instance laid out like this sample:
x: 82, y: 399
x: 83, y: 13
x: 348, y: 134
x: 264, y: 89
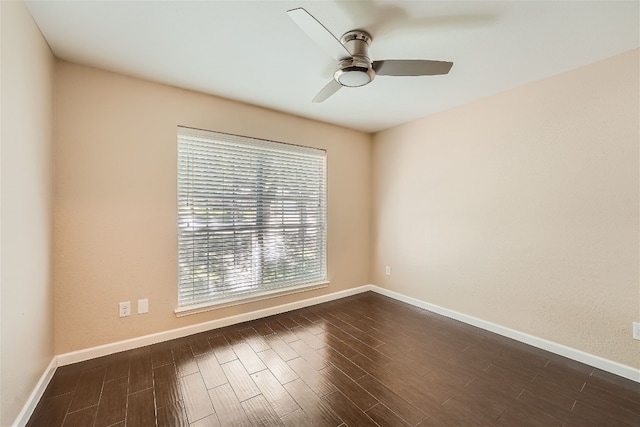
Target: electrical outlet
x: 143, y: 306
x: 387, y: 270
x: 125, y: 308
x: 636, y: 330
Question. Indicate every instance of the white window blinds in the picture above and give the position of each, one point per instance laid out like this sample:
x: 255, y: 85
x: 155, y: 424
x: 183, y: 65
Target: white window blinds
x: 251, y: 216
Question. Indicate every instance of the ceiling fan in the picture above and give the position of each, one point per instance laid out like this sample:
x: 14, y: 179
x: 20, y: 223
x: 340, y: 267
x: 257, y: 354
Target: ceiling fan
x: 355, y: 68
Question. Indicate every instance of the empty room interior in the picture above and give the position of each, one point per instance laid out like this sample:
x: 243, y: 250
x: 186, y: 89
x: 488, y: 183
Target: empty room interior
x: 340, y: 213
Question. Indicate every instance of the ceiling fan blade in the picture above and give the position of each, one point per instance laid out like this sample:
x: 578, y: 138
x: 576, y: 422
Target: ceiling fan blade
x: 318, y: 33
x: 331, y: 88
x: 411, y: 67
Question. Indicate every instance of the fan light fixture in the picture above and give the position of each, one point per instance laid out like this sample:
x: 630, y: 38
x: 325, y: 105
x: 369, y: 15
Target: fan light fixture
x: 353, y: 74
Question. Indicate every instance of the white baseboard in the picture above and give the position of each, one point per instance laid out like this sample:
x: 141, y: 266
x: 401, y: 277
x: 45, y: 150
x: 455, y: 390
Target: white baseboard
x: 106, y: 349
x: 562, y: 350
x: 36, y: 394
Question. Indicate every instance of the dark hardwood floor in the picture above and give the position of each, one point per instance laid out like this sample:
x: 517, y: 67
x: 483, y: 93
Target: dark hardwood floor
x: 365, y: 360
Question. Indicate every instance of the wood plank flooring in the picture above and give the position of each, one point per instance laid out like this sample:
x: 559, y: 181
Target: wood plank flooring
x: 365, y: 360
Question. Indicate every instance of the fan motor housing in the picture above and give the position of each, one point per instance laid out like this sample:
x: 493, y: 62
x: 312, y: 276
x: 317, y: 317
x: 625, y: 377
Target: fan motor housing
x: 355, y: 71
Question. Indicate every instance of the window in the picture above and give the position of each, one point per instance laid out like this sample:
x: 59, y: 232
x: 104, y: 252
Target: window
x: 251, y: 218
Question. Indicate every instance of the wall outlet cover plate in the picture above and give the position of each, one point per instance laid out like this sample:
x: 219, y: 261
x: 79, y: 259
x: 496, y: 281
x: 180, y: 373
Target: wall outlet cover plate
x: 125, y: 308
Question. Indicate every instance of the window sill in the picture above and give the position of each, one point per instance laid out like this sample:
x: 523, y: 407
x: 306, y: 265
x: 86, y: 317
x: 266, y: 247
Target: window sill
x: 230, y: 302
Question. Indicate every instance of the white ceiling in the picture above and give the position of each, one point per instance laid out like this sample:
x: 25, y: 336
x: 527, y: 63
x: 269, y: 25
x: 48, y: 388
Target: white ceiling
x: 253, y: 52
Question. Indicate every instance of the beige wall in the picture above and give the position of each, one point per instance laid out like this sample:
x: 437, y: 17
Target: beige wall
x: 522, y: 209
x: 115, y: 200
x: 27, y: 86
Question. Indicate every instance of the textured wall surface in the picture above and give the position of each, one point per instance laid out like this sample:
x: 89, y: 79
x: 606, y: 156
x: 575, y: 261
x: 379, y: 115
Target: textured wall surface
x: 522, y: 209
x: 27, y: 135
x: 115, y: 200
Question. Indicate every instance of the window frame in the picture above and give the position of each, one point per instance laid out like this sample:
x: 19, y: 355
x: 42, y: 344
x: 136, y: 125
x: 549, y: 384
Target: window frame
x: 258, y: 292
